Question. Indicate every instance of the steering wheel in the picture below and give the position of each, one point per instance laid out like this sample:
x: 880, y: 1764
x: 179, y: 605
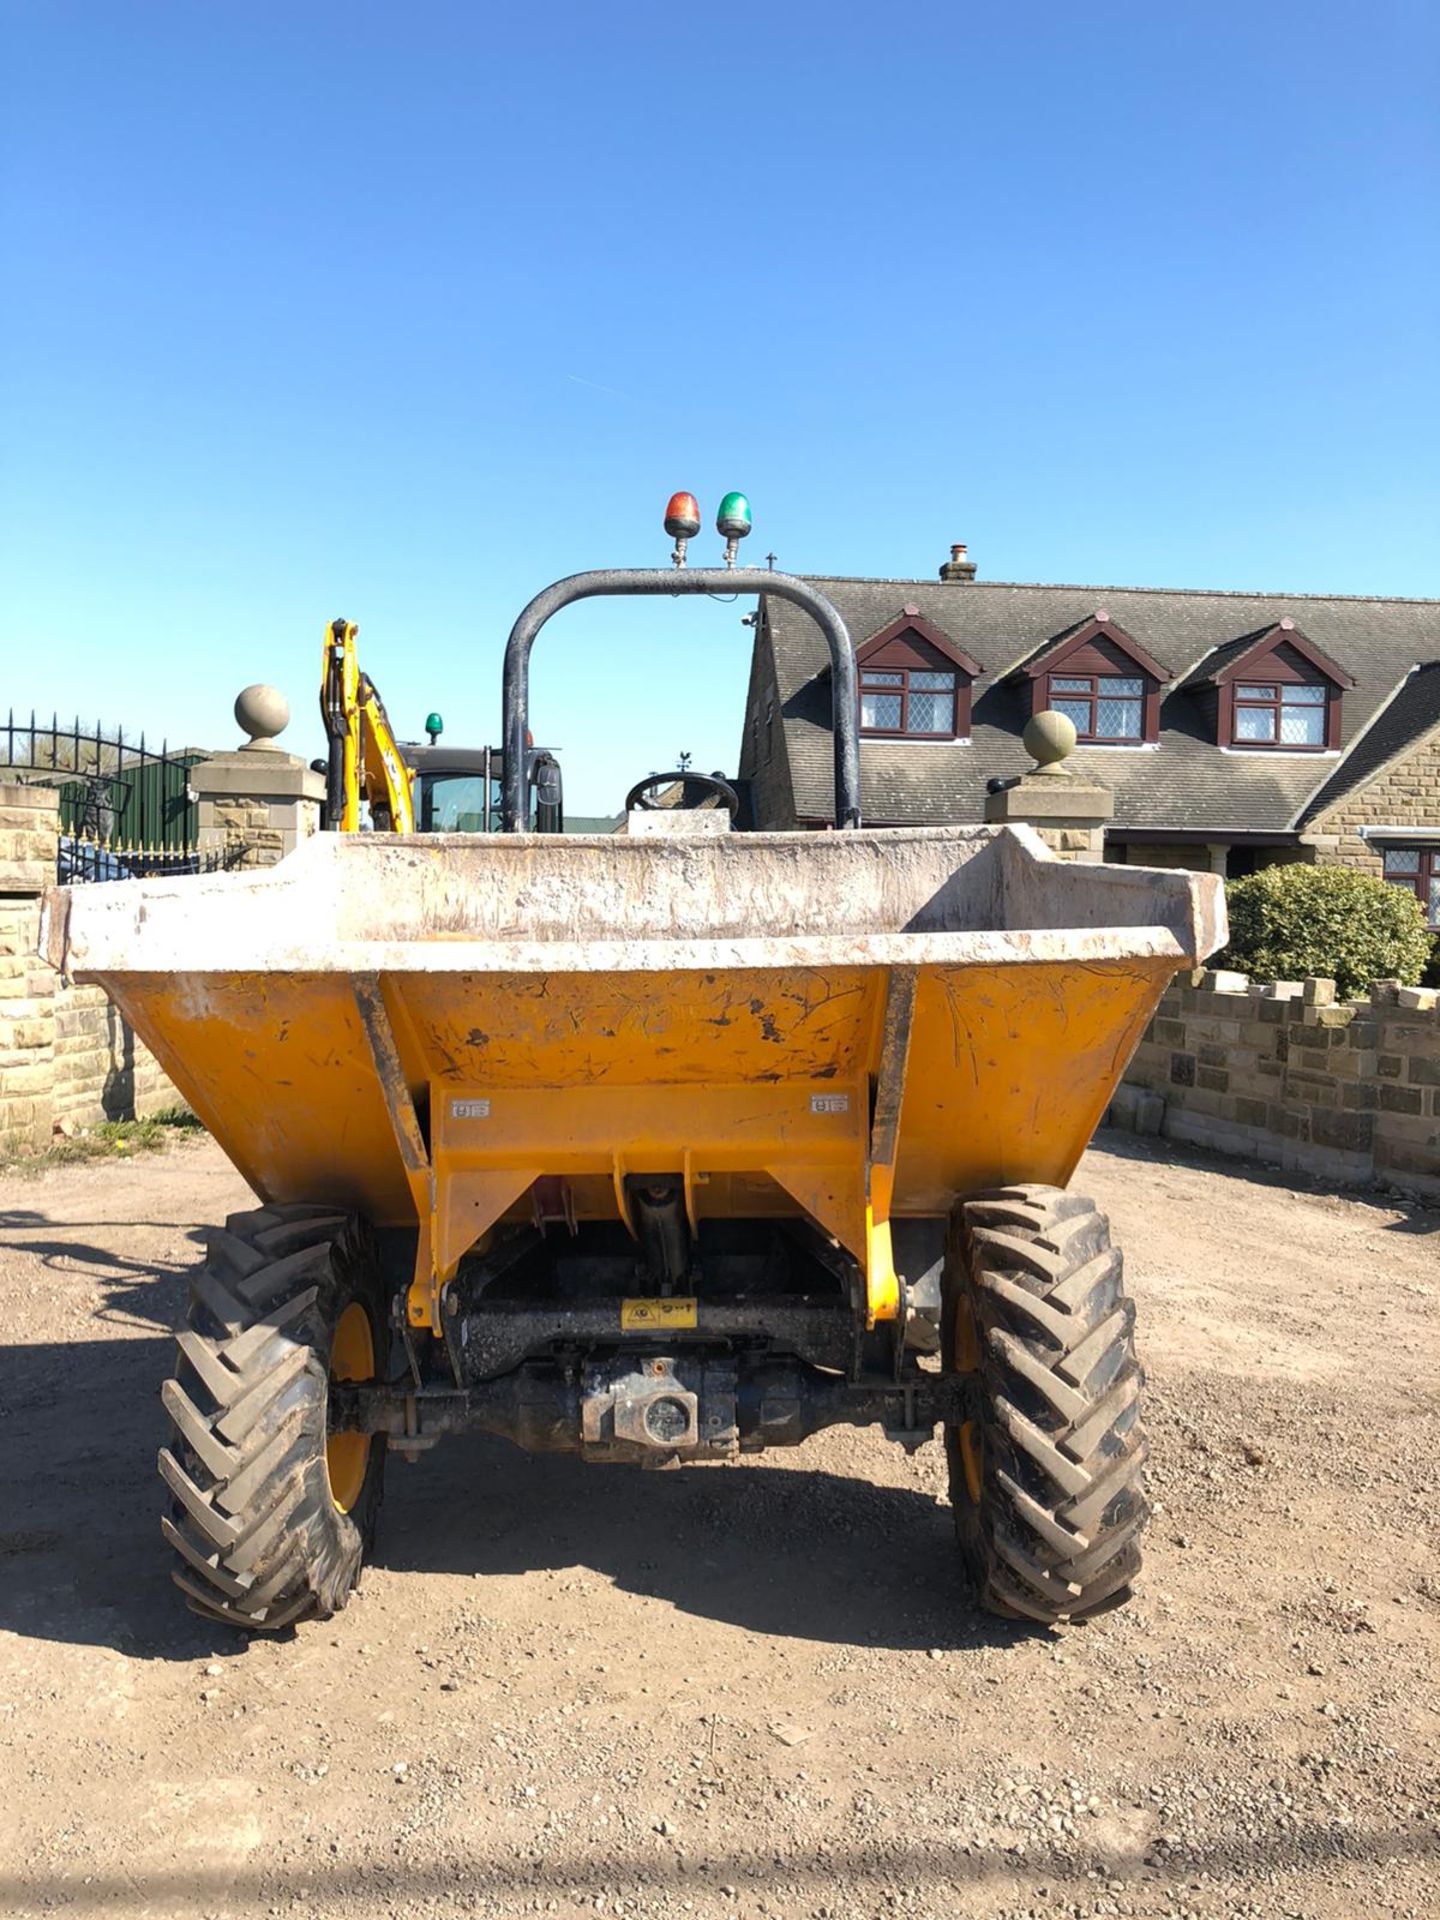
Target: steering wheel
x: 711, y: 782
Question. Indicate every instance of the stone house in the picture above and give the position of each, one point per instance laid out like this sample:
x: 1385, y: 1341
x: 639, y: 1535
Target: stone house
x: 1235, y: 730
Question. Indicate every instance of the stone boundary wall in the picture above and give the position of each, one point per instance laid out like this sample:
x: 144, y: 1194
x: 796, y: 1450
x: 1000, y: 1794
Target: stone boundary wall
x: 67, y: 1057
x: 1348, y: 1092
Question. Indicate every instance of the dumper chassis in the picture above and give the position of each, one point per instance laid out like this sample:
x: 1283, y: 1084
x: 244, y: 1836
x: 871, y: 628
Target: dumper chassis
x: 661, y: 1148
x: 281, y: 1429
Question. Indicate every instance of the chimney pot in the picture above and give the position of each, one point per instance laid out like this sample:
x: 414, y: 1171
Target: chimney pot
x: 959, y: 566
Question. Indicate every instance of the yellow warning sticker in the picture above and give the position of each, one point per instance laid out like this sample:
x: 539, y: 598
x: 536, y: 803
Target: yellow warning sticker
x: 642, y: 1316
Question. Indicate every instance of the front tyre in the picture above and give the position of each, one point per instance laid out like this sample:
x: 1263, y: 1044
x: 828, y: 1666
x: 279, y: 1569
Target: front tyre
x: 1046, y: 1463
x: 271, y: 1512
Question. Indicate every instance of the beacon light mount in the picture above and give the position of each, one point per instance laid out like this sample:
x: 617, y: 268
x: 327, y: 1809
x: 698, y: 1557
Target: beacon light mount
x: 682, y: 523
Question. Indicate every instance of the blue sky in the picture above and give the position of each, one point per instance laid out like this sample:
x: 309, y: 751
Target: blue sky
x: 401, y: 311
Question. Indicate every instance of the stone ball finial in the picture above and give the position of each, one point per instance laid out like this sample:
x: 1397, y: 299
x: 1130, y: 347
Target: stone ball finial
x: 1049, y: 738
x: 262, y: 712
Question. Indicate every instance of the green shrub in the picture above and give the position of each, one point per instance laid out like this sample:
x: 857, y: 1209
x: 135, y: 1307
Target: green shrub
x: 1290, y: 922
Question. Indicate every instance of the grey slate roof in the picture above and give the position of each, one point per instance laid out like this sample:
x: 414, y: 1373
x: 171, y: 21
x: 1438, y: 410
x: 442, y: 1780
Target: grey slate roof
x: 1185, y: 782
x: 1414, y: 712
x: 1049, y: 649
x: 1203, y: 671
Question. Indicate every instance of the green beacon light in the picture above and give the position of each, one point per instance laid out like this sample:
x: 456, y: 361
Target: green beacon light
x: 732, y: 522
x: 434, y: 726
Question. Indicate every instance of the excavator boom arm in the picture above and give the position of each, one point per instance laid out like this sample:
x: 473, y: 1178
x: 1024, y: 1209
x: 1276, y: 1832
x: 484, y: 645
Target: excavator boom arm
x: 365, y: 762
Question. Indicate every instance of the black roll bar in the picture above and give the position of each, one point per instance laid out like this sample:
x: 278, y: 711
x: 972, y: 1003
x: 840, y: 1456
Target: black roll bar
x: 677, y: 580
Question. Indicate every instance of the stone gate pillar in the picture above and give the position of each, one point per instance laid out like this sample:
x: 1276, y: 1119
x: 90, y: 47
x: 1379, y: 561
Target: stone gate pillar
x: 258, y: 803
x: 1068, y: 810
x: 29, y: 829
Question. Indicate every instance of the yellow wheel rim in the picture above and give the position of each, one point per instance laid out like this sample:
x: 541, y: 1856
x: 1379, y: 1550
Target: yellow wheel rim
x: 967, y: 1339
x: 970, y: 1460
x: 352, y: 1357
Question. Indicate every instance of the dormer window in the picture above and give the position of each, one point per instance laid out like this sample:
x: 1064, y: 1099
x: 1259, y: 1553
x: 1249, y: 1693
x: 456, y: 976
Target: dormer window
x: 918, y: 704
x: 1104, y: 682
x: 914, y: 682
x: 1102, y: 706
x: 1275, y: 692
x: 1273, y: 714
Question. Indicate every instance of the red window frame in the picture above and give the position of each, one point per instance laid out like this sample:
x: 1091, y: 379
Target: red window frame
x: 1099, y: 649
x: 1276, y: 705
x: 1426, y: 874
x: 1098, y: 681
x: 1282, y: 656
x: 882, y: 680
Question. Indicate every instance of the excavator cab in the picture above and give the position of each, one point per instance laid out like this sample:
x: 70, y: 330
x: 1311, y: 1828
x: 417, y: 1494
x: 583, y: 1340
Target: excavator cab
x: 456, y: 791
x: 460, y: 789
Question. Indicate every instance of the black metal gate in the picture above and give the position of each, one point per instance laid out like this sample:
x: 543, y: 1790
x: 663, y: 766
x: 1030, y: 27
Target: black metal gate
x: 125, y: 808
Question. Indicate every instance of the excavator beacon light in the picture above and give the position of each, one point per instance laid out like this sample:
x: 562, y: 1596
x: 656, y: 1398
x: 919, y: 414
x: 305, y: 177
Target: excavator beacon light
x: 732, y: 522
x: 434, y: 726
x: 682, y: 517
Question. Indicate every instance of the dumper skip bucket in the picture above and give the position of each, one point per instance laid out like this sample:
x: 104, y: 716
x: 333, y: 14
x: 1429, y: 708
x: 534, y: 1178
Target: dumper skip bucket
x: 857, y: 1026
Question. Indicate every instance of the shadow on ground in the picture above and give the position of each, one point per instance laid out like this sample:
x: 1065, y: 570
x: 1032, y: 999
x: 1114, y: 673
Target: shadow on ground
x: 462, y: 1877
x: 147, y: 1291
x: 776, y: 1548
x: 772, y: 1546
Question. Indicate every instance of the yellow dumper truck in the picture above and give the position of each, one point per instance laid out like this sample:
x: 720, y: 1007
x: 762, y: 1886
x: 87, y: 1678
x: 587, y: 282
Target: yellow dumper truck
x: 660, y: 1147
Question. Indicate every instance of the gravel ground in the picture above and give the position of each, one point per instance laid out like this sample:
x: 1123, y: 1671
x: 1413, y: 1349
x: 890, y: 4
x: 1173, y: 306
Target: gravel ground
x: 752, y: 1691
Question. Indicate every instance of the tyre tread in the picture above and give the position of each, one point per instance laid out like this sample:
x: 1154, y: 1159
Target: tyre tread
x: 259, y: 1541
x: 1055, y: 1533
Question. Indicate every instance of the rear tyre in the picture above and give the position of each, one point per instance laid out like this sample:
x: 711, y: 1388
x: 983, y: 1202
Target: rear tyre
x: 1046, y: 1465
x: 272, y: 1514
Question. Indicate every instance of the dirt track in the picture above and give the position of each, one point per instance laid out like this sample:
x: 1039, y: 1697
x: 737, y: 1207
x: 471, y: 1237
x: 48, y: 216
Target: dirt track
x: 750, y: 1691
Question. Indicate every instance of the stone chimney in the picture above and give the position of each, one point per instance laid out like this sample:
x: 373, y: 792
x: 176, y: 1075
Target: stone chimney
x: 959, y: 566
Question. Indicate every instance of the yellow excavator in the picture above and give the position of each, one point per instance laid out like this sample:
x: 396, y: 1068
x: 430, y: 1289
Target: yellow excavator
x: 406, y: 787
